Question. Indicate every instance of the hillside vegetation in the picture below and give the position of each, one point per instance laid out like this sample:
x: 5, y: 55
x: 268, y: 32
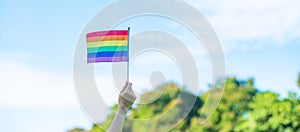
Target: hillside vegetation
x: 242, y: 108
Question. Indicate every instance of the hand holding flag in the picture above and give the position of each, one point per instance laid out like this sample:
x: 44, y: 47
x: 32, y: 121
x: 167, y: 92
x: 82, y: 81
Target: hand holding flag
x: 126, y: 98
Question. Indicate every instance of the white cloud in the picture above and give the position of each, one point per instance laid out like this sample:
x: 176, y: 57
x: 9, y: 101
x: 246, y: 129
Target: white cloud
x: 255, y: 22
x: 23, y: 85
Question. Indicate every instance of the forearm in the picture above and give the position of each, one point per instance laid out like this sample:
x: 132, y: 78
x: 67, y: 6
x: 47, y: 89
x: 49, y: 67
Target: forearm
x: 117, y: 123
x: 123, y: 107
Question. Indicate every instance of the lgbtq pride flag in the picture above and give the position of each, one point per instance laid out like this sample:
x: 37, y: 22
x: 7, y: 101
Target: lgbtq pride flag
x: 107, y: 46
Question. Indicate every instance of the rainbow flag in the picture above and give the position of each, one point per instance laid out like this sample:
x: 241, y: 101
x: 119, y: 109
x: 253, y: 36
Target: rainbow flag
x: 107, y: 46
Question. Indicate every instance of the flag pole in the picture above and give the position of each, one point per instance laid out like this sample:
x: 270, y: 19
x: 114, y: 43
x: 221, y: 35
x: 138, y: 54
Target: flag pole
x: 128, y: 54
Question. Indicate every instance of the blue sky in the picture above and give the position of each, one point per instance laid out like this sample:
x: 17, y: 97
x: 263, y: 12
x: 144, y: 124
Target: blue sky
x: 38, y: 38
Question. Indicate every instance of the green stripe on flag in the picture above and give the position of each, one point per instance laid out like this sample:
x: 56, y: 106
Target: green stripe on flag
x: 106, y: 43
x: 107, y: 48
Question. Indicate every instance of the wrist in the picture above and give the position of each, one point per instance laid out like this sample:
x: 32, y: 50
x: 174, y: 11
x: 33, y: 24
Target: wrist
x: 122, y: 110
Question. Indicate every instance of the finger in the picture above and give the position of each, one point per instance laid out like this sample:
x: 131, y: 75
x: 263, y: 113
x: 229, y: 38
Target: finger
x: 131, y: 92
x: 129, y: 85
x: 124, y: 87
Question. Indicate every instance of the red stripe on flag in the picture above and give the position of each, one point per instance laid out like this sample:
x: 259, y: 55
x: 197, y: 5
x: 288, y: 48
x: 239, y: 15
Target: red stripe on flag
x: 107, y: 33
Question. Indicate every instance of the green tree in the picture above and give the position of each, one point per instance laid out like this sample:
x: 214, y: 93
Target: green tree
x: 77, y: 130
x: 242, y: 108
x: 269, y: 113
x: 171, y: 105
x: 237, y: 94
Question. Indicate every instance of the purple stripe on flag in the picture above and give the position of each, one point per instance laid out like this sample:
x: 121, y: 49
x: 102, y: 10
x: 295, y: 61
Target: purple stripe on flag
x: 108, y: 59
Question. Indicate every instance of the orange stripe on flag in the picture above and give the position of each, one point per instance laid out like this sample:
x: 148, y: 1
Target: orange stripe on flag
x: 107, y: 38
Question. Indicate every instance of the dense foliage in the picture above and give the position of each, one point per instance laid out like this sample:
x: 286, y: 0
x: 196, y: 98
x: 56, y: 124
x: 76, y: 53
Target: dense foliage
x: 299, y: 80
x: 242, y: 108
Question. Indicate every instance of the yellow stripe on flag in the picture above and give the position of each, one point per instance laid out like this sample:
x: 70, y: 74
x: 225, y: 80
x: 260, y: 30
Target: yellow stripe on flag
x: 106, y: 43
